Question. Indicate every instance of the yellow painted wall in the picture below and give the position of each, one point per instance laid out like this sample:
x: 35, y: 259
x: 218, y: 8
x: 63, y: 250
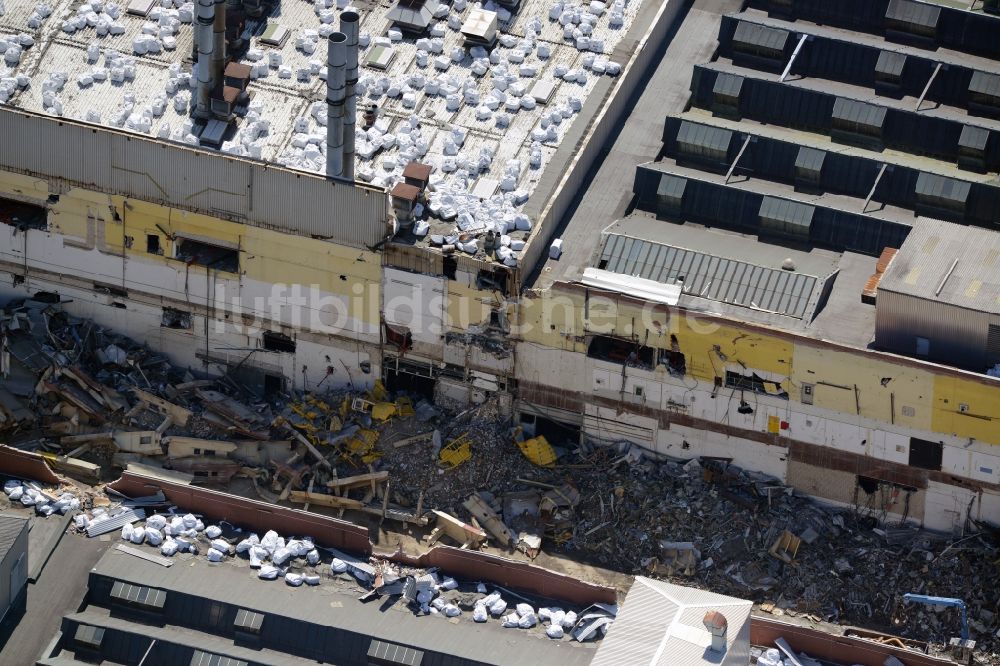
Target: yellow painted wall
x: 468, y: 306
x: 26, y: 186
x: 982, y: 419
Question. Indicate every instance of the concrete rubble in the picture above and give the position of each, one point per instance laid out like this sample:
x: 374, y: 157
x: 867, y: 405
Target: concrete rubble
x: 96, y: 402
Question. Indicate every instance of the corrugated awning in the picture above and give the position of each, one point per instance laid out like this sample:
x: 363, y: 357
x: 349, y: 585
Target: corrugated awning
x: 890, y: 63
x: 788, y: 212
x: 810, y: 159
x: 916, y: 13
x: 728, y: 84
x: 760, y: 35
x: 391, y: 654
x: 940, y: 187
x: 202, y: 658
x: 707, y: 276
x: 704, y: 136
x: 973, y: 137
x: 985, y: 83
x: 858, y: 112
x: 671, y: 187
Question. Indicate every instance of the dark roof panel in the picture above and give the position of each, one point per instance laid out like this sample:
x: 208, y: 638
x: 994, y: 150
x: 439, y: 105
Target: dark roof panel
x: 810, y: 159
x: 390, y: 654
x: 974, y: 137
x: 671, y: 186
x: 714, y: 138
x: 916, y: 13
x: 790, y: 212
x: 728, y: 84
x: 201, y: 658
x: 985, y: 83
x: 760, y: 35
x: 858, y: 112
x: 890, y: 63
x: 940, y: 187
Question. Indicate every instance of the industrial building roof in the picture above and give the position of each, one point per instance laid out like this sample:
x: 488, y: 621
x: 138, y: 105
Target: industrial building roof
x: 335, y: 604
x: 948, y: 263
x: 676, y: 614
x: 916, y: 13
x: 435, y: 96
x: 10, y: 528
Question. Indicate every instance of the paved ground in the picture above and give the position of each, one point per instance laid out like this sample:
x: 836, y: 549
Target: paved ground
x: 609, y: 191
x: 59, y: 590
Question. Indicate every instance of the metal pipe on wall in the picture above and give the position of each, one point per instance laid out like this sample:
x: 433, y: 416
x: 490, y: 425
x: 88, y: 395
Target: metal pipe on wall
x: 349, y: 22
x: 336, y: 66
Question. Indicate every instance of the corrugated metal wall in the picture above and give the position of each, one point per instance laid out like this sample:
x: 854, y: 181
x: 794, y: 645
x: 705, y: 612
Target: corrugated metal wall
x: 193, y: 179
x: 718, y: 205
x: 842, y: 173
x: 957, y: 335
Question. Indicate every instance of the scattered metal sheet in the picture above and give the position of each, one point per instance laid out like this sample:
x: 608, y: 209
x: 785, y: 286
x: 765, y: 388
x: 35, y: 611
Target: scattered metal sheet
x: 115, y: 522
x: 149, y: 557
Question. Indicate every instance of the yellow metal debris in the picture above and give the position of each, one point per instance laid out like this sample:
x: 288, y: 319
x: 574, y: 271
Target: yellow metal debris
x: 539, y: 451
x: 383, y: 411
x: 456, y: 452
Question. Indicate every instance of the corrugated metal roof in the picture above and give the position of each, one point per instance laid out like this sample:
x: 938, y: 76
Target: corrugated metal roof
x: 660, y: 624
x: 706, y: 276
x: 917, y: 13
x: 671, y: 187
x: 810, y: 159
x: 858, y: 112
x: 201, y: 658
x: 973, y: 137
x: 383, y: 652
x: 790, y: 212
x: 760, y: 35
x: 985, y: 84
x: 714, y: 138
x: 115, y: 522
x: 948, y: 263
x: 10, y: 529
x: 728, y: 84
x: 933, y: 185
x: 890, y: 63
x: 138, y: 594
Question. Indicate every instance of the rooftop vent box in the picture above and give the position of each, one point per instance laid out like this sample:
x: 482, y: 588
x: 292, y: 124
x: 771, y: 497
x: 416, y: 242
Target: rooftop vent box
x: 274, y: 35
x: 417, y: 174
x: 140, y: 7
x: 911, y: 21
x: 413, y: 16
x: 380, y: 56
x: 760, y: 46
x: 480, y: 28
x: 984, y: 93
x: 972, y: 148
x: 809, y: 167
x: 889, y: 73
x: 786, y: 218
x: 542, y: 91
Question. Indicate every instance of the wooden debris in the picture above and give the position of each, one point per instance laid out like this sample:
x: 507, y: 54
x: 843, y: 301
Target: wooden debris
x: 482, y: 511
x: 180, y: 414
x: 462, y: 533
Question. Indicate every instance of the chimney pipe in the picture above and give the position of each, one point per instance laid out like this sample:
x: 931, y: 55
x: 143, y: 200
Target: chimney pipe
x: 336, y: 66
x: 219, y: 43
x: 204, y: 19
x: 349, y: 22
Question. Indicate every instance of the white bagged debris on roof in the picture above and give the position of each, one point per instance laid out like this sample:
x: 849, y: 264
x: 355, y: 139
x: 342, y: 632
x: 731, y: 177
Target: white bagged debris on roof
x: 554, y: 631
x: 169, y: 547
x: 338, y: 565
x: 215, y: 555
x: 312, y: 557
x: 138, y: 535
x: 257, y: 556
x: 127, y: 530
x: 153, y: 536
x: 311, y: 579
x: 267, y: 572
x: 212, y: 531
x: 569, y: 620
x: 479, y: 612
x: 555, y: 250
x: 293, y: 579
x: 271, y: 542
x: 81, y: 521
x: 511, y: 621
x: 221, y: 545
x: 156, y: 521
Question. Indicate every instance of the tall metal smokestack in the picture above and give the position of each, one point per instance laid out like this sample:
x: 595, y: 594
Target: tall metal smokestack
x: 219, y: 42
x: 204, y: 19
x: 336, y: 65
x: 349, y: 21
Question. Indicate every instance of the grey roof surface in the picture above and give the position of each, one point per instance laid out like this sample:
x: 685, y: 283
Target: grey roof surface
x: 890, y: 62
x: 783, y: 210
x: 331, y: 604
x: 704, y: 136
x: 985, y: 83
x: 862, y: 113
x: 910, y: 11
x: 948, y: 263
x: 810, y: 159
x: 658, y: 608
x: 973, y: 137
x: 759, y: 35
x: 706, y: 275
x: 933, y: 185
x: 10, y: 529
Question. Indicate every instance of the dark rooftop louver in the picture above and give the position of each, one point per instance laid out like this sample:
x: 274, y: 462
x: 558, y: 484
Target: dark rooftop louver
x: 201, y: 658
x: 890, y: 64
x: 985, y: 84
x: 860, y: 113
x: 933, y: 186
x: 671, y: 188
x: 248, y: 620
x: 973, y: 138
x: 762, y: 36
x: 728, y: 85
x: 703, y: 140
x: 786, y: 216
x: 138, y: 595
x: 89, y: 635
x: 913, y: 13
x: 384, y: 653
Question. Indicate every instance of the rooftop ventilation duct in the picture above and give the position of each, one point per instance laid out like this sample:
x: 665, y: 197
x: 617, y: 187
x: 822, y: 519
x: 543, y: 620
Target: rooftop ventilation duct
x: 717, y: 624
x: 336, y: 71
x: 349, y: 21
x: 204, y: 39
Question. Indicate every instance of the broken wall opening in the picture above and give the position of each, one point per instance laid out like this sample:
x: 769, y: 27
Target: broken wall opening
x: 277, y: 342
x: 555, y: 432
x: 624, y: 352
x: 410, y: 377
x: 210, y: 255
x: 22, y: 215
